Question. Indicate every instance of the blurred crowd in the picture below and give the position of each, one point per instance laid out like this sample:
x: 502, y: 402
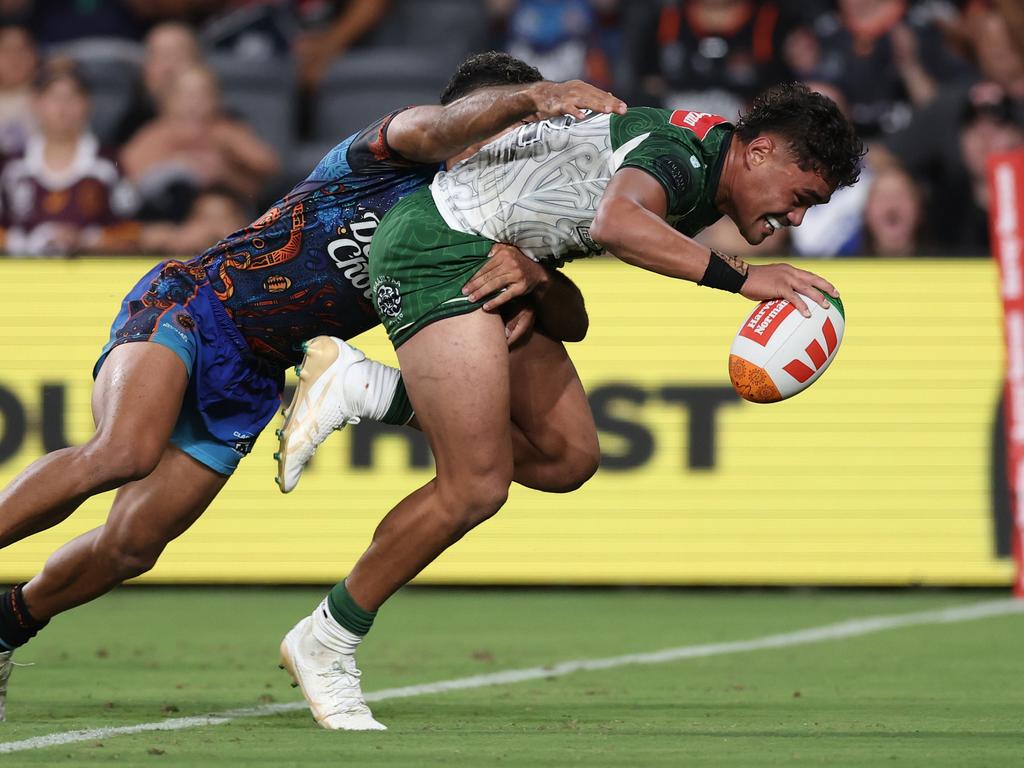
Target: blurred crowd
x: 159, y: 126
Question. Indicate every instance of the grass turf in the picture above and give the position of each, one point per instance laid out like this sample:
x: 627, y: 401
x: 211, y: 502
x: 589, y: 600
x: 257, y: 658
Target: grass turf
x: 931, y: 695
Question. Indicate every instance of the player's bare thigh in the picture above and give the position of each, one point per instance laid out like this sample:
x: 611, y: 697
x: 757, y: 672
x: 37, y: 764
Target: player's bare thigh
x: 136, y: 401
x: 456, y: 371
x: 137, y: 396
x: 549, y: 406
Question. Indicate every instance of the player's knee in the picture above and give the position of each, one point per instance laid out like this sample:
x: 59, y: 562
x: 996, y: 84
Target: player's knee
x: 566, y: 468
x: 483, y: 497
x: 580, y: 465
x: 472, y: 500
x: 128, y: 557
x: 118, y: 460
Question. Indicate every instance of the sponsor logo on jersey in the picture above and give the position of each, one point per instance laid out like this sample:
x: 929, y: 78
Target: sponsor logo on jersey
x: 351, y: 251
x: 798, y: 369
x: 387, y: 296
x: 277, y: 283
x: 243, y: 443
x: 185, y: 320
x: 762, y: 324
x: 698, y: 122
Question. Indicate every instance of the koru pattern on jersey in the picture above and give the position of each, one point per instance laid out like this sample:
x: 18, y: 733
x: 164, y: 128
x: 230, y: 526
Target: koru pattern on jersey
x: 539, y: 186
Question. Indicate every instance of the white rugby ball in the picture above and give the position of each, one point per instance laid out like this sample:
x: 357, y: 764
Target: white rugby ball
x: 778, y: 352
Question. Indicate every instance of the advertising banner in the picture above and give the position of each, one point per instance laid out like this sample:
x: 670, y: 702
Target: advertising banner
x: 1006, y: 193
x: 880, y: 473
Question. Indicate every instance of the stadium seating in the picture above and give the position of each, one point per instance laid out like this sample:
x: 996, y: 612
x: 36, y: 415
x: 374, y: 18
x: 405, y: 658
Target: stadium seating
x: 365, y: 84
x: 261, y: 92
x: 112, y: 82
x: 461, y: 24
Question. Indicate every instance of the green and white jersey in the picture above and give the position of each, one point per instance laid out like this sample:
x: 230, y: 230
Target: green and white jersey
x: 539, y: 186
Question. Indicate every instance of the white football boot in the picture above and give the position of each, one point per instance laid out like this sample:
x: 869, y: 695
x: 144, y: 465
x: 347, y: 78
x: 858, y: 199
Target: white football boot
x: 320, y: 405
x: 329, y: 681
x: 5, y: 673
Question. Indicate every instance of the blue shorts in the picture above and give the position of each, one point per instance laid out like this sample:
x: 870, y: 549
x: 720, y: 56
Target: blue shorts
x: 232, y: 394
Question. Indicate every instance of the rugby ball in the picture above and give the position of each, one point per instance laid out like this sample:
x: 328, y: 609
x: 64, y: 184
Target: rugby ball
x: 778, y: 352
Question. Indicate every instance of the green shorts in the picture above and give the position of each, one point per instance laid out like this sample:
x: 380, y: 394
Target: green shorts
x: 418, y: 265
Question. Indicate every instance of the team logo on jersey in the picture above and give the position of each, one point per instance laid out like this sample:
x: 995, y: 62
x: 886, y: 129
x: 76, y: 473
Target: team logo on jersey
x: 185, y: 320
x: 277, y: 283
x: 387, y: 296
x: 351, y: 251
x: 675, y: 169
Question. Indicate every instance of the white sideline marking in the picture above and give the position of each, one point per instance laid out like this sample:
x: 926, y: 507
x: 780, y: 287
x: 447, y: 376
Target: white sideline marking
x: 838, y: 631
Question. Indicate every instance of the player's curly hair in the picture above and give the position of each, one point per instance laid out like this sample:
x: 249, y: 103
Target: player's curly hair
x: 491, y: 68
x: 819, y: 135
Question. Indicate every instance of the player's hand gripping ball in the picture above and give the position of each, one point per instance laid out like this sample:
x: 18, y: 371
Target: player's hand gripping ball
x: 778, y: 352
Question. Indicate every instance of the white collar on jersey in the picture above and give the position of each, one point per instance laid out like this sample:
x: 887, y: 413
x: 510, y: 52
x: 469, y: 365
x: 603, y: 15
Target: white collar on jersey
x: 84, y: 163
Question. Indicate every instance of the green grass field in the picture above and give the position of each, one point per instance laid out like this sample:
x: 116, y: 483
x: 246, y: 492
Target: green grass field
x: 932, y: 694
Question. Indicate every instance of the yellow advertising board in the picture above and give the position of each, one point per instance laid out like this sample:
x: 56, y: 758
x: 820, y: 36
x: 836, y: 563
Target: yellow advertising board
x: 881, y: 473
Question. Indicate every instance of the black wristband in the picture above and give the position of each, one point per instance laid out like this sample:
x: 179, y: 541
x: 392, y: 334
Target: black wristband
x: 725, y: 273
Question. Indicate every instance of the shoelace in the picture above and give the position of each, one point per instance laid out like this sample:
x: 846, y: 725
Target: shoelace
x: 343, y: 686
x: 5, y: 674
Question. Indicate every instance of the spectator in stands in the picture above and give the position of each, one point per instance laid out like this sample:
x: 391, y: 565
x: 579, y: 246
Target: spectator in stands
x: 893, y: 215
x: 931, y: 151
x: 1013, y: 15
x: 990, y: 126
x: 193, y: 145
x: 216, y: 213
x: 837, y: 227
x: 250, y: 29
x: 314, y: 32
x: 63, y: 196
x: 565, y: 39
x: 59, y: 25
x: 170, y: 48
x: 708, y: 55
x: 999, y: 59
x: 18, y: 64
x: 328, y: 29
x: 885, y: 60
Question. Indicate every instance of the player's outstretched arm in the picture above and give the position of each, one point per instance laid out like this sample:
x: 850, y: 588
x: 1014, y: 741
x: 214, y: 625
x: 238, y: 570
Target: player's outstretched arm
x: 630, y: 223
x: 431, y: 134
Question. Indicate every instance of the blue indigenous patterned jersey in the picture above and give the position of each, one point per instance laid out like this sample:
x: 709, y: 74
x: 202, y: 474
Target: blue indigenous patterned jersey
x: 300, y: 270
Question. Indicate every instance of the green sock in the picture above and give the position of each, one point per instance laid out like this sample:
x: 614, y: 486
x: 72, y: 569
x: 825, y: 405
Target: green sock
x: 400, y: 411
x: 347, y: 612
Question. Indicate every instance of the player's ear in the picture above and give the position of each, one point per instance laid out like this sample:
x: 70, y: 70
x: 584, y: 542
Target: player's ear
x: 759, y: 150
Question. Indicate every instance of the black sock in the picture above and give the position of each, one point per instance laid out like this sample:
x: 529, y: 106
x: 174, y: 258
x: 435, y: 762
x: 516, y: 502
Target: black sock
x: 17, y: 626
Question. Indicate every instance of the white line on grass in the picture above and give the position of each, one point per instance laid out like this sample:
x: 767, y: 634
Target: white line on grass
x: 838, y: 631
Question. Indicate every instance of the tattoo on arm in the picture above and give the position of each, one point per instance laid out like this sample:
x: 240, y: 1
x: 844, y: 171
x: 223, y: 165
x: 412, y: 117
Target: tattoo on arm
x: 736, y: 263
x: 727, y: 273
